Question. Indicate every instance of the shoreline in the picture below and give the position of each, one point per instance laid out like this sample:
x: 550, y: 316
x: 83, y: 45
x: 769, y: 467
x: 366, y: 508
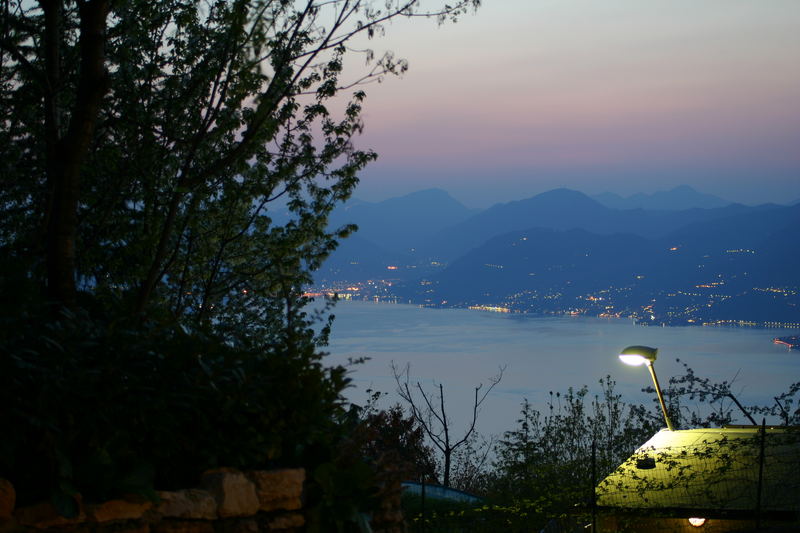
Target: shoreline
x: 639, y: 321
x: 792, y: 341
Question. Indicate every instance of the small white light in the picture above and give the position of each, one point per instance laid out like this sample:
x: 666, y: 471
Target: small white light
x: 632, y: 359
x: 697, y: 522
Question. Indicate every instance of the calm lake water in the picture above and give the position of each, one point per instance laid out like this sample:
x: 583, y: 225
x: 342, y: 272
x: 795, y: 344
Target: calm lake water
x: 462, y: 348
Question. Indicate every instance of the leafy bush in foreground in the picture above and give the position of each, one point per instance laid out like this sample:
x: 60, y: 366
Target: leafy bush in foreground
x: 105, y: 407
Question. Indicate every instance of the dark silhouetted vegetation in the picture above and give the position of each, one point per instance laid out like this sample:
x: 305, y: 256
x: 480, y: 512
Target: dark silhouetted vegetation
x: 153, y: 323
x: 542, y: 469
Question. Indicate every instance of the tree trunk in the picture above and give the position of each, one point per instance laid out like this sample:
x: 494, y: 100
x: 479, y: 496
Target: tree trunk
x: 446, y: 480
x: 67, y: 155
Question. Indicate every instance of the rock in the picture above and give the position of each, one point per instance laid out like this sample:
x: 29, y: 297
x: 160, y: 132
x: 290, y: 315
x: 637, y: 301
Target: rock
x: 234, y: 493
x: 83, y: 527
x: 8, y: 499
x: 189, y: 503
x: 279, y: 489
x: 134, y: 527
x: 286, y: 521
x: 232, y: 525
x: 183, y: 526
x: 117, y: 510
x: 45, y: 515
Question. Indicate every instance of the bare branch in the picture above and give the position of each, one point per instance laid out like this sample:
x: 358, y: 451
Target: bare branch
x: 429, y: 415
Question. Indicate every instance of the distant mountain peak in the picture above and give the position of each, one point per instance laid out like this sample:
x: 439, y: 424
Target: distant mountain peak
x: 562, y: 192
x: 400, y: 223
x: 560, y: 195
x: 676, y: 199
x: 567, y: 197
x: 433, y: 192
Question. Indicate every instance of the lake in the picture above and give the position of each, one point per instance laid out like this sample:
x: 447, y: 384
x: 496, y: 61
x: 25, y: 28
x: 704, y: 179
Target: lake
x: 461, y: 348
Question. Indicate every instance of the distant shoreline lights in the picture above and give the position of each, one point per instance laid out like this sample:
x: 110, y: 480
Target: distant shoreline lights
x: 492, y: 308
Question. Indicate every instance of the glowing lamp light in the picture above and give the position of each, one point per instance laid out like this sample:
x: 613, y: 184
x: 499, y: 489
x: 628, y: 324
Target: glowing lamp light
x: 633, y: 360
x: 697, y: 522
x: 645, y: 355
x: 638, y: 355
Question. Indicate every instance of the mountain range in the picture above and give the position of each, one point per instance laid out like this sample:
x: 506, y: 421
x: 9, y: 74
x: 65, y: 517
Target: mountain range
x: 400, y: 224
x: 561, y: 249
x: 681, y: 197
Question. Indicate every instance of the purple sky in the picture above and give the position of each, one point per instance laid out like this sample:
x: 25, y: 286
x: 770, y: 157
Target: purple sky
x: 624, y: 96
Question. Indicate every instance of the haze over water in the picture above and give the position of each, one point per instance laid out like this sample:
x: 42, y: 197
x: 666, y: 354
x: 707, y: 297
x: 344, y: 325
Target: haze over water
x: 462, y: 348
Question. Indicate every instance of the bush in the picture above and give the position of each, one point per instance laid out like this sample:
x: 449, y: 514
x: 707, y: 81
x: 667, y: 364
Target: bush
x: 442, y: 516
x: 102, y: 407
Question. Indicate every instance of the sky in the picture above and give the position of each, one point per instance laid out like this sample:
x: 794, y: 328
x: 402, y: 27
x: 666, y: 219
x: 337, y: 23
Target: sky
x: 595, y: 95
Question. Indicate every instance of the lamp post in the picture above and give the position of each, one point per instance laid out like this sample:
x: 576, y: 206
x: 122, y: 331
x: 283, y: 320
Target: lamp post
x: 645, y: 355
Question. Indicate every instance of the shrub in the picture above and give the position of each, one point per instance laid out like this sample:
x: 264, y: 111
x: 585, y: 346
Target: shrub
x: 104, y: 407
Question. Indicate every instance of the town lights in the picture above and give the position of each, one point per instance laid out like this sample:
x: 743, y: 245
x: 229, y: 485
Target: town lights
x: 644, y: 355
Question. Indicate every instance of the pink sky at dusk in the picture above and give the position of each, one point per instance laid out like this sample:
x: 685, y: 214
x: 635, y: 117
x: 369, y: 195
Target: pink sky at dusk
x: 626, y: 96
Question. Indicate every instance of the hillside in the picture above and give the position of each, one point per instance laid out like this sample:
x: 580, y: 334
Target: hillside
x: 562, y: 251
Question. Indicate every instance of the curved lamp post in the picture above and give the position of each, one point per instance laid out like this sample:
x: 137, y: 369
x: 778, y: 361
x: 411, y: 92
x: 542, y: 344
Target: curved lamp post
x: 645, y: 355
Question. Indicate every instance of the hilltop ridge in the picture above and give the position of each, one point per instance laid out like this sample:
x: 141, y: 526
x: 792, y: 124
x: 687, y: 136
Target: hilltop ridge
x: 564, y: 252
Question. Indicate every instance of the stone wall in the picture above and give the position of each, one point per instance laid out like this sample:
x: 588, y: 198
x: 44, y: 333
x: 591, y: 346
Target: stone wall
x: 229, y: 501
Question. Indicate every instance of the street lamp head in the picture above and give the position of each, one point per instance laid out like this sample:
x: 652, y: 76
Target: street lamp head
x: 645, y: 355
x: 638, y: 355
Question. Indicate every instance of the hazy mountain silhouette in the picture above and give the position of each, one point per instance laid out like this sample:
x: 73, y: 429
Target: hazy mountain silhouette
x: 564, y: 209
x: 389, y: 232
x: 747, y: 251
x: 744, y: 229
x: 400, y: 224
x: 539, y: 260
x: 564, y: 244
x: 767, y: 236
x: 677, y: 199
x: 359, y: 259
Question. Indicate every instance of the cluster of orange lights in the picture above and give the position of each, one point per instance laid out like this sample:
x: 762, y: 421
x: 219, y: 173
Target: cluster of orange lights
x: 711, y: 285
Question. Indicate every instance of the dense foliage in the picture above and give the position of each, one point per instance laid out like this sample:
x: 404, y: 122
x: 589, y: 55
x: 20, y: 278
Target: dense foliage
x: 167, y: 173
x: 548, y: 466
x: 106, y: 408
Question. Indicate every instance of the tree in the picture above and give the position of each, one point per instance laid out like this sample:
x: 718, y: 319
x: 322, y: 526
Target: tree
x: 431, y: 414
x: 395, y: 437
x: 145, y: 142
x: 149, y: 151
x: 545, y: 463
